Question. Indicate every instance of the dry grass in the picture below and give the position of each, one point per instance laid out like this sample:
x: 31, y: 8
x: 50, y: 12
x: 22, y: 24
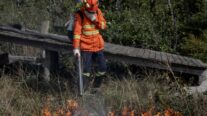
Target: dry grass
x: 16, y: 100
x: 18, y: 97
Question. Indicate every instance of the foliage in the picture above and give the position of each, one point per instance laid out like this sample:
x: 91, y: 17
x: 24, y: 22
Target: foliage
x: 160, y: 25
x: 30, y: 13
x: 134, y: 23
x: 157, y: 25
x: 195, y: 47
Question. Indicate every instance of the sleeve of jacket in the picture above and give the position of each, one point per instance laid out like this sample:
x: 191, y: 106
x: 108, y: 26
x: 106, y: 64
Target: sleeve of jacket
x: 100, y: 22
x: 77, y: 31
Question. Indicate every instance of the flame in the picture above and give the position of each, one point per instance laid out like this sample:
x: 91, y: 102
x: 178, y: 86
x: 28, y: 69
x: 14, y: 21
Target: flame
x: 158, y: 114
x: 124, y: 112
x: 111, y: 114
x: 68, y: 113
x: 60, y: 112
x: 171, y: 112
x: 148, y: 113
x: 46, y: 112
x: 132, y: 113
x: 127, y: 112
x: 167, y: 112
x: 72, y: 105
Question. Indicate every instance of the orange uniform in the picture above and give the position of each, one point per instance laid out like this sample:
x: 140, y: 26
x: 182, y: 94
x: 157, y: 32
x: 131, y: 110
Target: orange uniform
x: 86, y: 32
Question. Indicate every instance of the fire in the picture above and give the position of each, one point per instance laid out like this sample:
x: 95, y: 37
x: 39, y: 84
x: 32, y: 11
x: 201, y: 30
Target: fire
x: 148, y: 113
x: 72, y: 108
x: 60, y: 112
x: 111, y: 114
x: 151, y: 112
x: 158, y: 114
x: 167, y: 112
x: 46, y: 112
x: 171, y: 112
x: 68, y: 113
x: 125, y: 111
x: 72, y: 105
x: 132, y: 113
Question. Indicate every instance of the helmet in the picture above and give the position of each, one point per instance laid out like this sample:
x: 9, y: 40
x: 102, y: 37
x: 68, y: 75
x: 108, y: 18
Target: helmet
x: 91, y: 5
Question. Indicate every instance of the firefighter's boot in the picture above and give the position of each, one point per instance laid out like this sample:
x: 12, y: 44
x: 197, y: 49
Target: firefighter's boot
x: 98, y: 79
x: 97, y: 84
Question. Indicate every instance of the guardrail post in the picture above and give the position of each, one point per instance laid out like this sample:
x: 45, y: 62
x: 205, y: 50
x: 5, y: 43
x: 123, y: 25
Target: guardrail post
x: 50, y: 63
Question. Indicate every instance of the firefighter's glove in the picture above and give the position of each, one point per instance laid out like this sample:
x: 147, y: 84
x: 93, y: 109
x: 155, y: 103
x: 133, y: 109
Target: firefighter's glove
x: 91, y: 16
x: 76, y: 52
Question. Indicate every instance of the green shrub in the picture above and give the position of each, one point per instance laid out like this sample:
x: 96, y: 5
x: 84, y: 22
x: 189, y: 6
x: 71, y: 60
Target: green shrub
x: 195, y: 47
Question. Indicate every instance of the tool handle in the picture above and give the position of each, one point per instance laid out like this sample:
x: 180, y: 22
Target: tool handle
x: 80, y: 74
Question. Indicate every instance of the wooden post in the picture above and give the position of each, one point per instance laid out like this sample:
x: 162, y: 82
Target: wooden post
x: 50, y: 57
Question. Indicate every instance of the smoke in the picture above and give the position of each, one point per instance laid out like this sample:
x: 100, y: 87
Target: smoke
x: 93, y: 105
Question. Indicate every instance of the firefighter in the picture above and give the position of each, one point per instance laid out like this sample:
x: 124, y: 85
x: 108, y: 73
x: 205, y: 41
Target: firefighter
x: 88, y: 42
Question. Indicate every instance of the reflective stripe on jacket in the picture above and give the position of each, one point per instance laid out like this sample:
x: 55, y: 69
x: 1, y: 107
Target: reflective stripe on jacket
x: 86, y: 33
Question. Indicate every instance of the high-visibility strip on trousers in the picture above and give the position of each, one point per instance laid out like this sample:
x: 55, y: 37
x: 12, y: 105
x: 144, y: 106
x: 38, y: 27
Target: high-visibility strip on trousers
x: 93, y: 57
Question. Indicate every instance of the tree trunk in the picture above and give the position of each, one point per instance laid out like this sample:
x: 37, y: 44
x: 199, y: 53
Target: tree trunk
x: 175, y: 39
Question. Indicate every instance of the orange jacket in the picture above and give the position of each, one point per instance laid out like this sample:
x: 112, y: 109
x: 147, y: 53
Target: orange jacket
x: 86, y: 32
